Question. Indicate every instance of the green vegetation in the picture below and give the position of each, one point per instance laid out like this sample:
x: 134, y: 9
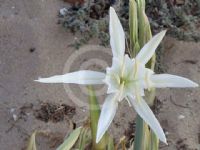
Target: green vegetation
x: 181, y: 18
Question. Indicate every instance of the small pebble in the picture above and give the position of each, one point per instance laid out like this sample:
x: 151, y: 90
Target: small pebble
x: 166, y: 133
x: 63, y: 11
x: 12, y: 110
x: 15, y: 117
x: 181, y: 117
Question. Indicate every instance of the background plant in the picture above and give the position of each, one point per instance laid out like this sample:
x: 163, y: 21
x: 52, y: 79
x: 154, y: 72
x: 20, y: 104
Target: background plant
x: 182, y: 18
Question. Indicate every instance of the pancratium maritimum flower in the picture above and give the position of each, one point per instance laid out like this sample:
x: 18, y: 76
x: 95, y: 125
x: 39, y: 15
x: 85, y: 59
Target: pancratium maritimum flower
x: 126, y: 79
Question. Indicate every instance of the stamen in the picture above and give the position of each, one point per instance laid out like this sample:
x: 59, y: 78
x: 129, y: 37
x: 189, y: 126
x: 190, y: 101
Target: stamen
x: 121, y: 91
x: 129, y: 103
x: 135, y: 69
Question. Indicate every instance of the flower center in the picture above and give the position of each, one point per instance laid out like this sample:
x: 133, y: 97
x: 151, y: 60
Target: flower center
x: 125, y: 76
x: 123, y: 81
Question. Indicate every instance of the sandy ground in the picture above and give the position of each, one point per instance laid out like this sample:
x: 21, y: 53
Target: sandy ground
x: 180, y: 112
x: 32, y: 44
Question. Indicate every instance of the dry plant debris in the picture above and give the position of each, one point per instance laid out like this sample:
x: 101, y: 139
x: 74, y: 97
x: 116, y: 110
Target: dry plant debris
x: 54, y: 112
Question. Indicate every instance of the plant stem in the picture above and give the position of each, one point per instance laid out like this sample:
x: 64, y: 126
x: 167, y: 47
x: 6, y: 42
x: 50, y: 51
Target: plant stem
x: 139, y: 133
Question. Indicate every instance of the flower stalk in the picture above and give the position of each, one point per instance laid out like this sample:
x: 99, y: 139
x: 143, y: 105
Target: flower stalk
x: 144, y: 137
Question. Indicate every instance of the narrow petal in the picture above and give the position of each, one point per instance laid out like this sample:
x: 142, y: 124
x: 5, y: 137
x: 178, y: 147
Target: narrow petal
x: 80, y: 77
x: 107, y: 114
x: 168, y: 80
x: 148, y: 50
x: 147, y: 115
x: 117, y: 36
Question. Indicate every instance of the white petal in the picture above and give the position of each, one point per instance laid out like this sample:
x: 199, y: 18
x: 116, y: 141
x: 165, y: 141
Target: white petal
x: 117, y: 36
x: 148, y: 50
x: 147, y: 115
x: 80, y: 77
x: 168, y: 80
x: 107, y: 114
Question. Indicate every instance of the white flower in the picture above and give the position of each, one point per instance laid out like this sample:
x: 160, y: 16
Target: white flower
x: 126, y: 79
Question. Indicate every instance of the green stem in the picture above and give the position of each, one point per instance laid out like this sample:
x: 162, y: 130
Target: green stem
x: 139, y: 133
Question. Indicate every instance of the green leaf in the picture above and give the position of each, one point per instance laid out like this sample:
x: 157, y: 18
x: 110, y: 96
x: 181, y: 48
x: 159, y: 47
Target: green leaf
x: 71, y: 140
x: 94, y: 118
x: 110, y: 144
x: 139, y: 133
x: 85, y: 138
x: 146, y: 138
x: 154, y: 141
x: 32, y: 143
